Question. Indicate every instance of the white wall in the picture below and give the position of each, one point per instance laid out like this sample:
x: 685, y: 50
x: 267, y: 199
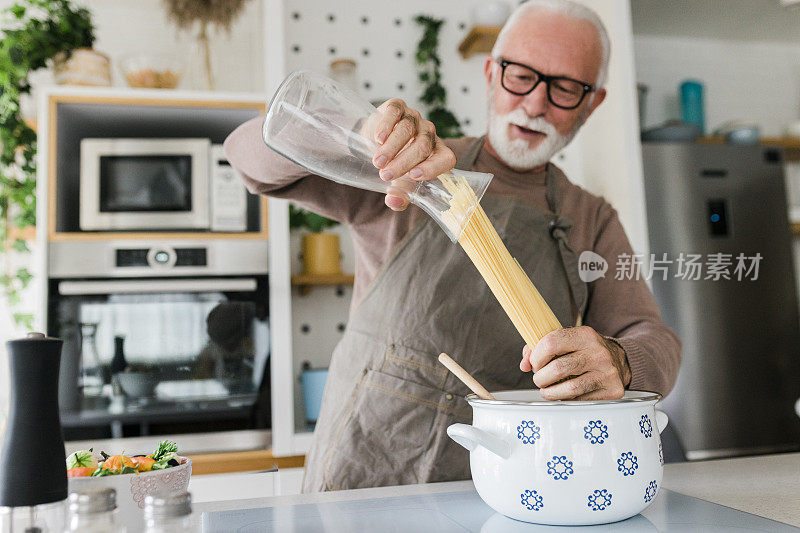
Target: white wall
x: 125, y: 27
x: 610, y: 147
x: 754, y: 81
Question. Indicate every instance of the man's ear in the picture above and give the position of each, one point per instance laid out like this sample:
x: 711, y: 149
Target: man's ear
x: 599, y: 96
x: 488, y: 66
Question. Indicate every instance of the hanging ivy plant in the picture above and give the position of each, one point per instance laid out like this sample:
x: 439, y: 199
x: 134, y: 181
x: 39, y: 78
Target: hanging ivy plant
x: 31, y: 33
x: 434, y: 95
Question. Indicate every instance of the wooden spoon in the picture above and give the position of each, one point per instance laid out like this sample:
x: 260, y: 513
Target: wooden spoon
x: 465, y: 377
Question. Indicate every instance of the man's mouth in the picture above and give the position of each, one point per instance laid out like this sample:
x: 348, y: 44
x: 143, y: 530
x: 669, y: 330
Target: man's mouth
x: 526, y: 133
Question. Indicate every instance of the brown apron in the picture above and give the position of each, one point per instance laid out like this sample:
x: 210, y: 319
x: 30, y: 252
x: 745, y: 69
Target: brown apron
x: 388, y: 401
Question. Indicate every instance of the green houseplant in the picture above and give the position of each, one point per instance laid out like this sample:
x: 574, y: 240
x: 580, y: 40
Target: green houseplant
x: 321, y: 251
x: 32, y: 32
x: 434, y: 95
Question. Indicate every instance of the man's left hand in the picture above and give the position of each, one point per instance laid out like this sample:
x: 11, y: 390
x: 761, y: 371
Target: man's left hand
x: 577, y: 364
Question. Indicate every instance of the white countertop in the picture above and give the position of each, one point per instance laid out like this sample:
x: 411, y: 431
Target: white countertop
x: 767, y: 486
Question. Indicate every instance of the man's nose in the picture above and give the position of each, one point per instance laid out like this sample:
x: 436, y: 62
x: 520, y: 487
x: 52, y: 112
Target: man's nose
x: 535, y: 103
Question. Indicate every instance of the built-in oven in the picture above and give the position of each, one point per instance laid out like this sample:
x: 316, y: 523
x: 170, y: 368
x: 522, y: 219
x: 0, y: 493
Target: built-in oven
x: 161, y: 337
x: 175, y: 353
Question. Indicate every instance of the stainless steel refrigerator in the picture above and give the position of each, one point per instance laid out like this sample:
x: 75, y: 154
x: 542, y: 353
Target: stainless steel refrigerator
x: 740, y: 374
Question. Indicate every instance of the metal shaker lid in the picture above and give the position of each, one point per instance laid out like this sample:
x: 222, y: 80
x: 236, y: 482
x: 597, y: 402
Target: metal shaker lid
x: 35, y: 336
x: 88, y: 501
x: 171, y: 504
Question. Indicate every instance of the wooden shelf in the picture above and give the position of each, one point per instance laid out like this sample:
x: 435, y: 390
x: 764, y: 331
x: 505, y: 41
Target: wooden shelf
x: 26, y: 234
x: 789, y: 143
x: 479, y: 40
x: 306, y: 281
x: 223, y: 463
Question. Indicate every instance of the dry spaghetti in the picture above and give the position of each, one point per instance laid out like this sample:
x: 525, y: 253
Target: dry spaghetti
x: 516, y: 293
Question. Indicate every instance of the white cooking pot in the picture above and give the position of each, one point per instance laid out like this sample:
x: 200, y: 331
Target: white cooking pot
x: 565, y: 462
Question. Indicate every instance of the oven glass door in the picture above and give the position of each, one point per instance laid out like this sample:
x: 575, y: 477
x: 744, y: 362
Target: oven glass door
x: 176, y: 360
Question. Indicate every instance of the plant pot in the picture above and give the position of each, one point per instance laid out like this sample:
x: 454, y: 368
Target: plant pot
x: 321, y: 254
x: 567, y: 462
x: 83, y: 66
x: 313, y: 381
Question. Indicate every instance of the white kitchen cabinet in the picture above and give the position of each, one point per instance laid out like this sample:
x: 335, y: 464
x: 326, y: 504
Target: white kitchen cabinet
x: 245, y: 485
x: 234, y: 486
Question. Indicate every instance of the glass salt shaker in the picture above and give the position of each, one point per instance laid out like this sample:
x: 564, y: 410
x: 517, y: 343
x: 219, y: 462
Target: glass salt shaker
x: 94, y: 511
x: 168, y: 512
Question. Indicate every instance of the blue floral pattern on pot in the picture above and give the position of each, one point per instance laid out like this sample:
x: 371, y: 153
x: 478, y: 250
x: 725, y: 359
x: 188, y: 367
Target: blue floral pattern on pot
x: 627, y: 463
x: 646, y: 427
x: 596, y: 432
x: 560, y: 467
x: 531, y: 500
x: 650, y: 491
x: 599, y: 500
x: 661, y: 453
x: 528, y: 432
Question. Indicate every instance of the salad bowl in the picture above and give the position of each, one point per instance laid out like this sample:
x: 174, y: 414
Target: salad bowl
x: 132, y: 488
x: 132, y: 477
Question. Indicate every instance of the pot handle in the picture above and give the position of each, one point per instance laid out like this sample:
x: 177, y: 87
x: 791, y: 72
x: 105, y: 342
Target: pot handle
x: 471, y: 437
x: 661, y: 420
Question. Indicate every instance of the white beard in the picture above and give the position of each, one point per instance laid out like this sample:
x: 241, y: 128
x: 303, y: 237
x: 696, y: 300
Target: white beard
x: 516, y: 152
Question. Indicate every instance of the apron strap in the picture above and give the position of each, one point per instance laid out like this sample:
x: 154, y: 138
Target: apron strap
x: 467, y: 158
x: 559, y: 228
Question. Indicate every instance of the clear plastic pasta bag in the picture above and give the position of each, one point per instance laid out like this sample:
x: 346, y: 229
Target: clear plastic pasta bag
x: 328, y: 129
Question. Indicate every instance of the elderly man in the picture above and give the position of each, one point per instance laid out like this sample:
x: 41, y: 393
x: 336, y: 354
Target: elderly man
x: 388, y: 402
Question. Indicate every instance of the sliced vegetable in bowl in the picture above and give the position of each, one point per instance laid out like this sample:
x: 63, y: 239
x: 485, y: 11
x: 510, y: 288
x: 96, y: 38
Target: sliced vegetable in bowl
x: 84, y: 463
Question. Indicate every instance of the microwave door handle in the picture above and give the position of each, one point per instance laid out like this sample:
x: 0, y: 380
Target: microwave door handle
x: 120, y: 286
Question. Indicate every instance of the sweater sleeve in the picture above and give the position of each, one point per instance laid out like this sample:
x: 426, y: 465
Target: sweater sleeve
x: 267, y: 172
x: 623, y: 308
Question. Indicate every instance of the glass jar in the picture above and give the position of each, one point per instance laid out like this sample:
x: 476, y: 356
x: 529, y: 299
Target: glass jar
x: 94, y: 511
x: 43, y: 518
x: 168, y: 512
x: 344, y: 72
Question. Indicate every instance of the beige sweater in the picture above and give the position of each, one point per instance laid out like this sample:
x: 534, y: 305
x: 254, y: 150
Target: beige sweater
x: 622, y: 309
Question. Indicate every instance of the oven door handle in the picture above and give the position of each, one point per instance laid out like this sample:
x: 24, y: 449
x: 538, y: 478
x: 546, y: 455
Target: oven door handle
x: 122, y: 286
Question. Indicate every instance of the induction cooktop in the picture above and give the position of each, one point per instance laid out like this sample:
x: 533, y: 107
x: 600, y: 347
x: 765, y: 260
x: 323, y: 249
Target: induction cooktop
x: 464, y: 511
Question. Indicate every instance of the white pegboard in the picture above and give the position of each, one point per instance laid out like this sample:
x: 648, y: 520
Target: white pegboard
x: 382, y: 38
x: 318, y: 317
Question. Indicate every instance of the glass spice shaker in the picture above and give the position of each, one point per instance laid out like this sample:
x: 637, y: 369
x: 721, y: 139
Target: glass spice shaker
x: 94, y: 511
x: 168, y: 512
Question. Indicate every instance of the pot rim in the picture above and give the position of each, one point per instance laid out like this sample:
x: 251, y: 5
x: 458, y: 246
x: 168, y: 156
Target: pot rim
x: 648, y: 396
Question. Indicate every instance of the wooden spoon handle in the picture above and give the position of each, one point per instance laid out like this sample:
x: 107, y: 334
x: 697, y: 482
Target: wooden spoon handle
x: 465, y: 377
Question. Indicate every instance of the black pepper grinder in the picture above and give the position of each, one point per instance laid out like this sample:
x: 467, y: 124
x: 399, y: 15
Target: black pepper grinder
x: 33, y: 471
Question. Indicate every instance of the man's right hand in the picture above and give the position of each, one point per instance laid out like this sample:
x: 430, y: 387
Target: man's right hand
x: 408, y: 144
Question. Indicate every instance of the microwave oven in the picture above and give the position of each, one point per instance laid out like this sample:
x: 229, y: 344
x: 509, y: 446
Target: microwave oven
x: 159, y: 185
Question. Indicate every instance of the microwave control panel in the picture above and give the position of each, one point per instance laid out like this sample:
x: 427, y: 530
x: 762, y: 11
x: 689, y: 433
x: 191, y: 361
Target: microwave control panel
x: 161, y: 257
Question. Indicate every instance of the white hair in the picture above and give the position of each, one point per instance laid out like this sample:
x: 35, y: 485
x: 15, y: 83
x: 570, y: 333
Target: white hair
x: 570, y: 9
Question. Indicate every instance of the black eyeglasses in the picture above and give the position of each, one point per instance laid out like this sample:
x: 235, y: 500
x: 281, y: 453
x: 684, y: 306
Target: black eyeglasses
x: 562, y: 92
